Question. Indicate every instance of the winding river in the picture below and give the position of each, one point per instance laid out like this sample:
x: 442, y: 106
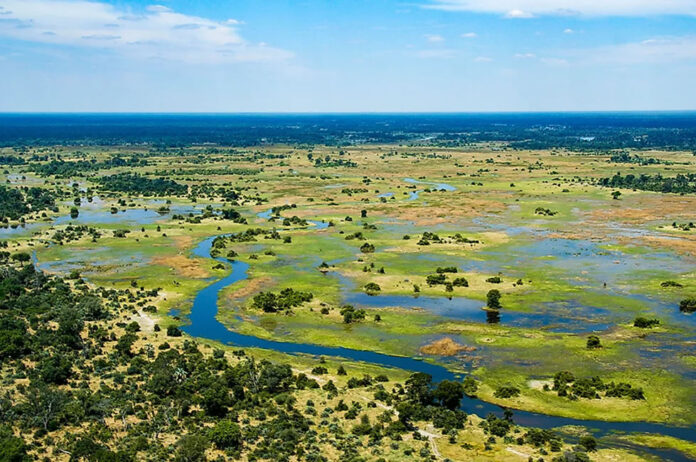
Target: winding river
x: 204, y: 324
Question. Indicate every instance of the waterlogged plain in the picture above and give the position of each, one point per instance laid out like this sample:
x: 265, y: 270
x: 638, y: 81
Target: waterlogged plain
x: 568, y: 260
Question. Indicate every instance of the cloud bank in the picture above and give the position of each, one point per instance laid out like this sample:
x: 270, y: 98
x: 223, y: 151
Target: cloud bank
x: 156, y: 33
x: 531, y: 8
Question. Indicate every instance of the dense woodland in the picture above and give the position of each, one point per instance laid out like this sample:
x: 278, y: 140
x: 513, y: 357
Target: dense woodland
x: 681, y: 184
x: 79, y: 382
x: 583, y: 132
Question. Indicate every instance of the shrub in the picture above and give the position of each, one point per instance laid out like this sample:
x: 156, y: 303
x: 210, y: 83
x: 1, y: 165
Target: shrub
x: 493, y: 299
x: 645, y: 323
x: 688, y: 305
x: 593, y: 342
x: 506, y: 392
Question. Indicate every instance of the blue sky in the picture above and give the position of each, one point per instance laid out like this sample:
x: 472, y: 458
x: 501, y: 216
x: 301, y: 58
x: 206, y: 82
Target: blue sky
x: 335, y: 56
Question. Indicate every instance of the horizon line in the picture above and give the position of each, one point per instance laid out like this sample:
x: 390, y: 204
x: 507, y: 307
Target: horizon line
x: 241, y: 113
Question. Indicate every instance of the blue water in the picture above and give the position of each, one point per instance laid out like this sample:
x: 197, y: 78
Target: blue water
x: 466, y: 309
x: 267, y: 214
x: 128, y: 216
x: 413, y: 195
x: 203, y: 323
x: 437, y: 186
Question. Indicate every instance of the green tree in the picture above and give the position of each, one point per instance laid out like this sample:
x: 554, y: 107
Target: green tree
x: 449, y: 393
x: 593, y: 342
x: 191, y: 448
x: 493, y: 299
x: 226, y: 435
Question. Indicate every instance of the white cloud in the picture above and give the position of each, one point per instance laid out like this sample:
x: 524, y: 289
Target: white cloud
x: 517, y: 14
x: 568, y: 31
x: 434, y: 38
x: 529, y: 8
x: 525, y: 55
x: 158, y: 33
x: 470, y: 35
x: 483, y: 59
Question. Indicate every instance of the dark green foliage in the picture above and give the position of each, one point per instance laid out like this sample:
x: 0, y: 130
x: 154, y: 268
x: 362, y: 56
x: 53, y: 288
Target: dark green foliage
x: 496, y: 426
x: 626, y: 158
x: 137, y: 184
x: 173, y: 331
x: 226, y: 435
x: 367, y: 248
x: 679, y: 184
x: 575, y: 456
x: 593, y: 342
x: 506, y: 391
x: 545, y: 212
x: 435, y: 279
x: 21, y: 257
x: 688, y: 305
x: 55, y: 369
x: 588, y: 442
x: 566, y: 384
x: 62, y: 168
x: 449, y: 394
x: 191, y: 448
x: 15, y: 203
x: 233, y: 215
x: 493, y: 299
x: 287, y: 299
x: 12, y: 448
x: 350, y: 314
x: 170, y: 389
x: 645, y: 323
x: 469, y: 386
x: 539, y: 437
x: 372, y: 288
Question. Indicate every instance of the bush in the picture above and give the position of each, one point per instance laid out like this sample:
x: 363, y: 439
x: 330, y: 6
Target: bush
x: 645, y: 323
x: 173, y: 331
x: 372, y: 288
x: 191, y: 448
x: 507, y: 392
x: 367, y: 248
x: 588, y: 442
x: 688, y: 305
x: 493, y: 299
x: 593, y: 342
x: 226, y: 435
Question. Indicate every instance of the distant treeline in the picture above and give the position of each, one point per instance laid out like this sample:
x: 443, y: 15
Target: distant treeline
x: 626, y: 158
x: 685, y: 184
x: 577, y: 131
x: 137, y: 184
x: 79, y: 167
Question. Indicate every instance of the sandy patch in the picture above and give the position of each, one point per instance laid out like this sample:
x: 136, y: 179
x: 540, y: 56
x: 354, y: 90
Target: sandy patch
x: 182, y: 242
x: 251, y: 287
x: 445, y: 347
x: 539, y: 384
x: 183, y: 266
x: 147, y: 324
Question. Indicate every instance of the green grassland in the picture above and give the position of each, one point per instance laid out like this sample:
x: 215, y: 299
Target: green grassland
x: 495, y: 202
